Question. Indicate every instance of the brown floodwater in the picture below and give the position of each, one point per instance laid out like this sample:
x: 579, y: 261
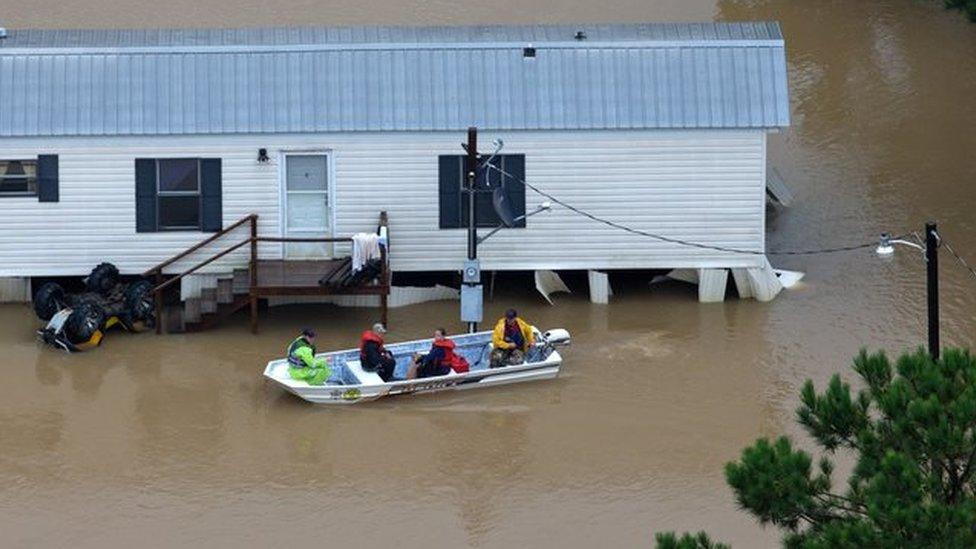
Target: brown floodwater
x: 177, y: 440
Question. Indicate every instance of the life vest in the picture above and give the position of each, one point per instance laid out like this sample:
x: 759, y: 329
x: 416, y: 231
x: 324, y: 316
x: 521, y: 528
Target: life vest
x: 451, y: 359
x: 299, y: 342
x: 368, y: 336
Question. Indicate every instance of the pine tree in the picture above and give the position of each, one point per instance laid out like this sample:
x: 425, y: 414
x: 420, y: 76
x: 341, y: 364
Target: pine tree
x: 911, y: 431
x: 968, y: 6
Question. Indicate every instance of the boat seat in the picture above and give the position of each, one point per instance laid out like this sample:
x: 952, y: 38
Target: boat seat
x: 363, y: 377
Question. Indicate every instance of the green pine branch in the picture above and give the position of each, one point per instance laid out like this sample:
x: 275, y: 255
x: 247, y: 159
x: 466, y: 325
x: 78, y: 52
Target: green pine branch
x: 911, y: 428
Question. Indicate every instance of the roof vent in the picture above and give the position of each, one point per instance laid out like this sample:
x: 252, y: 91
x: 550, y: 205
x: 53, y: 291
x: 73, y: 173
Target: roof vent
x: 580, y: 35
x: 528, y: 53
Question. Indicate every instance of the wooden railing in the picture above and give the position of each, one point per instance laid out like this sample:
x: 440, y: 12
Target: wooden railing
x: 252, y: 218
x: 253, y: 239
x: 156, y: 272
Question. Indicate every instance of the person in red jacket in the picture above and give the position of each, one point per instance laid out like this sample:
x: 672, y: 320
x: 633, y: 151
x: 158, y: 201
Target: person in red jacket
x: 439, y: 361
x: 373, y: 356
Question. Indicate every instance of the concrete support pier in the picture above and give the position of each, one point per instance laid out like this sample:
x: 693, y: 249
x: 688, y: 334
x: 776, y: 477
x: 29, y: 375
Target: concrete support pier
x: 15, y: 289
x: 759, y: 283
x: 742, y: 283
x: 600, y: 290
x: 712, y: 284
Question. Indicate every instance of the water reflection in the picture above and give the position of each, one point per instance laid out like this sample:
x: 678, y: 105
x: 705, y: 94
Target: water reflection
x: 484, y: 449
x: 48, y: 368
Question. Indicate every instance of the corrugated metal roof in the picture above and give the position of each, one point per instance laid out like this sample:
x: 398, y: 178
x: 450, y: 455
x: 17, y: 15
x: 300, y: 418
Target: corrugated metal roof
x: 51, y: 38
x: 137, y: 82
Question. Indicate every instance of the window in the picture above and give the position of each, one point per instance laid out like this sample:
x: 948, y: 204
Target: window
x: 178, y: 194
x: 18, y: 178
x: 453, y: 198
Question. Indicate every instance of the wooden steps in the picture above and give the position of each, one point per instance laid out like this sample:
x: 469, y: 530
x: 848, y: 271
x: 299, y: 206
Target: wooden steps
x: 192, y: 310
x: 220, y: 297
x: 208, y: 301
x: 221, y: 312
x: 240, y: 283
x: 225, y: 291
x: 204, y: 298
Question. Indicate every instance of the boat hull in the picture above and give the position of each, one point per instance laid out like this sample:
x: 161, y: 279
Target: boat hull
x: 545, y: 365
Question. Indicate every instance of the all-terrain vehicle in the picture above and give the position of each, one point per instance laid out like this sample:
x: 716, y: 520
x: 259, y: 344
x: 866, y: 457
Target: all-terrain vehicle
x: 76, y: 322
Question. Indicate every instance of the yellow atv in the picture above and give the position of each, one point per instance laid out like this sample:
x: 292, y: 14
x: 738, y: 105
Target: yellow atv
x: 77, y: 322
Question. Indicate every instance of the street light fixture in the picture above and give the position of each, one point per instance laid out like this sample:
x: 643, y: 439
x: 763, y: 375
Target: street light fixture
x: 886, y: 244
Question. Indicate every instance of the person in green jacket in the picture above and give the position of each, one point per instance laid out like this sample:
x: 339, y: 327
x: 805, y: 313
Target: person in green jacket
x: 302, y: 364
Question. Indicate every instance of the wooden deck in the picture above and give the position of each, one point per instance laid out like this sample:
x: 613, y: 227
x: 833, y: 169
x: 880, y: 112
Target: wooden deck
x: 301, y: 277
x: 278, y: 277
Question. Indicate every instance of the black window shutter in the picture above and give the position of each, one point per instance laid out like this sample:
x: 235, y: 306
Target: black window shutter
x: 211, y: 204
x: 514, y: 164
x: 449, y: 190
x: 454, y: 202
x: 47, y: 178
x: 145, y: 195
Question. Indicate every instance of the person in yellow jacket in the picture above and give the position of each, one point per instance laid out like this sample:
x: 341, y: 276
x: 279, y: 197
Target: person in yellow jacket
x: 511, y: 339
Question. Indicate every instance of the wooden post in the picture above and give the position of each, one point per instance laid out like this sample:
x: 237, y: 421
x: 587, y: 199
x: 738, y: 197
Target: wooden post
x: 159, y: 302
x: 253, y: 283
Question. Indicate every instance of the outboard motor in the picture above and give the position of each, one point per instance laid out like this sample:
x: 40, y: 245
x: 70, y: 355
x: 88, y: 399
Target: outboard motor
x: 548, y: 341
x: 557, y: 337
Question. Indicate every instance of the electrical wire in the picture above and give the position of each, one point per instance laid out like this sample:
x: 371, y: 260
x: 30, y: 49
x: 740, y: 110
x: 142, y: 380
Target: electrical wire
x: 679, y: 241
x: 958, y: 257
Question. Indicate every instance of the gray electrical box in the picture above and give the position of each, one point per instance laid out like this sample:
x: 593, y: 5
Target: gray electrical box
x: 471, y: 272
x: 472, y: 302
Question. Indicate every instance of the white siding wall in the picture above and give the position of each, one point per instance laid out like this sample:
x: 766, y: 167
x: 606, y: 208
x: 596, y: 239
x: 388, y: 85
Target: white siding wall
x: 703, y: 186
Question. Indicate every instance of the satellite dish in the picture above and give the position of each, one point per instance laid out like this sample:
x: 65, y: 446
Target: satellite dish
x: 503, y: 207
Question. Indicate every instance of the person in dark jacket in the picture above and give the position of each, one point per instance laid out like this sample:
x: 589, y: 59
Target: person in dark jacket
x: 373, y: 356
x: 439, y: 361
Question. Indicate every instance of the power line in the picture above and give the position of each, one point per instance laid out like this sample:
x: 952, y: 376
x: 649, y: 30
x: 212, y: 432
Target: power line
x: 958, y: 257
x: 679, y: 241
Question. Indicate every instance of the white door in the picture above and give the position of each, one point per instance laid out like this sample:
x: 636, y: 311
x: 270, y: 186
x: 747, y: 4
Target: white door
x: 306, y: 205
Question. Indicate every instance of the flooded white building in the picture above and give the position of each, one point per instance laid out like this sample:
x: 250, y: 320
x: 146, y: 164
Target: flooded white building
x: 132, y: 146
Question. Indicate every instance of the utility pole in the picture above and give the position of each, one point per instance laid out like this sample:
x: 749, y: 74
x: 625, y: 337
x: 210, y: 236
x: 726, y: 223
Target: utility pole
x: 472, y: 294
x: 932, y: 285
x: 471, y: 170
